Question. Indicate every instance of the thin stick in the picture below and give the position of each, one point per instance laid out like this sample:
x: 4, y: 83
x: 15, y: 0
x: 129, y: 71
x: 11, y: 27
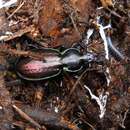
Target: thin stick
x: 16, y: 34
x: 16, y: 10
x: 26, y: 117
x: 77, y: 82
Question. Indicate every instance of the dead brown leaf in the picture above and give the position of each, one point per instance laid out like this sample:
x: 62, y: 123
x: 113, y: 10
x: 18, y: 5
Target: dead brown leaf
x: 60, y: 21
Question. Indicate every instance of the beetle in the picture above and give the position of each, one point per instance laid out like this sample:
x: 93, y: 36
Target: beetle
x: 52, y: 63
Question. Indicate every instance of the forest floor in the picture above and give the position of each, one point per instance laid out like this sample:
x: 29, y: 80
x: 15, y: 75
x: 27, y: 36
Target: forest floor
x: 64, y: 65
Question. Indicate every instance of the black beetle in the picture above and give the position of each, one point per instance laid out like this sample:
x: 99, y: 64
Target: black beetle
x: 52, y: 64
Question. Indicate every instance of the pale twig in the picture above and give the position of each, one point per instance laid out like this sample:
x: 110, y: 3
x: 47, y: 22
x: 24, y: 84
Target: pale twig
x: 74, y: 24
x: 16, y: 10
x: 124, y: 118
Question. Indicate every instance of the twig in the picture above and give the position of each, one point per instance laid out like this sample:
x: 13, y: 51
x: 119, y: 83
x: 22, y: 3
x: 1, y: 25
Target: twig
x: 114, y: 13
x: 16, y: 10
x: 124, y: 118
x: 26, y: 117
x: 77, y: 82
x: 74, y: 24
x: 4, y: 50
x: 88, y: 124
x: 16, y: 34
x: 49, y: 119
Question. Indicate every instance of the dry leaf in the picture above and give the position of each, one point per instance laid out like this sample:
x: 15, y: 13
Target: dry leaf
x: 54, y: 20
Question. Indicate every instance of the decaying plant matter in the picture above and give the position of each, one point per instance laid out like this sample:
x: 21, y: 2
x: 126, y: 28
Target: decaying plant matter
x: 64, y: 64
